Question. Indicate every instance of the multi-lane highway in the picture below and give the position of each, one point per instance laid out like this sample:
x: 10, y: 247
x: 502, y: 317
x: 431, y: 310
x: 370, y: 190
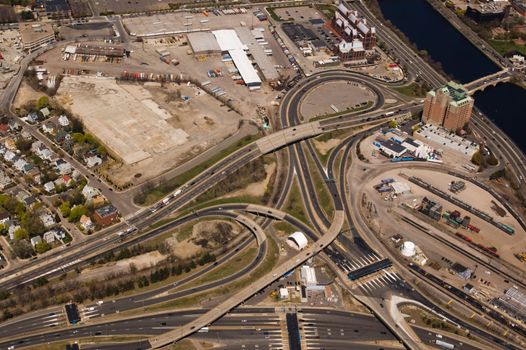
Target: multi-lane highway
x: 247, y: 328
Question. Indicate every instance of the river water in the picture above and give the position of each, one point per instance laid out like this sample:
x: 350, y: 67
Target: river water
x: 462, y: 61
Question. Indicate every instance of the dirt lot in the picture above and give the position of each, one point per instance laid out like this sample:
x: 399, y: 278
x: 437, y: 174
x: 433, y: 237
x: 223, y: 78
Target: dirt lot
x: 141, y: 262
x: 8, y: 41
x: 154, y: 130
x: 340, y: 94
x: 205, y: 236
x: 25, y: 94
x: 75, y: 31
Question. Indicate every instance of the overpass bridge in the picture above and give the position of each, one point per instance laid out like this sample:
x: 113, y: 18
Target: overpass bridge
x: 480, y: 84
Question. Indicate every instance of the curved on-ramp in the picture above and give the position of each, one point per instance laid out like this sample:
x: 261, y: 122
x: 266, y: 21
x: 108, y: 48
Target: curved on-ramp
x: 220, y: 310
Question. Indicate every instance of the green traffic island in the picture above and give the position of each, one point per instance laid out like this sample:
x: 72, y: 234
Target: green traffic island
x: 413, y: 89
x: 216, y: 294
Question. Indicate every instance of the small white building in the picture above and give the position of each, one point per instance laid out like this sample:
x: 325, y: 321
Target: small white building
x: 49, y: 187
x: 90, y: 192
x: 283, y: 293
x: 308, y: 276
x: 93, y: 161
x: 35, y: 240
x: 297, y: 240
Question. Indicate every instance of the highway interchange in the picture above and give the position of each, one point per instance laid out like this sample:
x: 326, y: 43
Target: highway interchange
x: 295, y: 142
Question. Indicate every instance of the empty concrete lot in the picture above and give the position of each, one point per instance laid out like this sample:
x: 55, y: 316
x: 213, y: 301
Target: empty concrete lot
x: 148, y: 127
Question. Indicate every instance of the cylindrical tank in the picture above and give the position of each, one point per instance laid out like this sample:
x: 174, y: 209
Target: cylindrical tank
x: 408, y: 249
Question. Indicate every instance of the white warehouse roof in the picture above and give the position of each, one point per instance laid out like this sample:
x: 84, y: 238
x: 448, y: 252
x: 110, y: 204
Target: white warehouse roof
x: 245, y: 67
x: 297, y: 240
x: 228, y: 40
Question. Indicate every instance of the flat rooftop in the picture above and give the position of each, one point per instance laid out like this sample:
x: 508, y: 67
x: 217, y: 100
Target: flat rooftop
x: 263, y: 61
x: 203, y: 42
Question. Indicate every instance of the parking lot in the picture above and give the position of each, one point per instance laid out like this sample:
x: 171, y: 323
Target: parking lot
x: 182, y: 22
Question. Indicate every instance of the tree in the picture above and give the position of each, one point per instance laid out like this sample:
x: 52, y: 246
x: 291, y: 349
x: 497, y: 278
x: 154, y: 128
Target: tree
x: 33, y: 224
x: 26, y: 15
x: 42, y: 102
x: 76, y: 212
x: 20, y: 234
x: 42, y: 247
x: 477, y: 158
x: 22, y: 249
x: 3, y: 230
x: 65, y: 209
x: 23, y: 145
x: 393, y: 124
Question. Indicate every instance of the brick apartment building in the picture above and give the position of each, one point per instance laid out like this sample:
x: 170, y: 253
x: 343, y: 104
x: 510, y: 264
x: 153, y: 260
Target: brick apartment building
x: 449, y: 106
x: 357, y: 36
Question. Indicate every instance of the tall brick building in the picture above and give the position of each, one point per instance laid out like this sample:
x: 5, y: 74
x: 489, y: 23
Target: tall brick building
x: 449, y: 106
x: 357, y: 36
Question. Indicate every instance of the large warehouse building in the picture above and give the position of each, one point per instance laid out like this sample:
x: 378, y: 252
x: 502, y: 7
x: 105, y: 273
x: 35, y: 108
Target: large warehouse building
x: 229, y: 42
x: 237, y: 44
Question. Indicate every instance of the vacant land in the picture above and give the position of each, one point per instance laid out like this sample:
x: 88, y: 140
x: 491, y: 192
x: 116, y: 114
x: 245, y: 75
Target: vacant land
x: 204, y: 236
x: 149, y: 127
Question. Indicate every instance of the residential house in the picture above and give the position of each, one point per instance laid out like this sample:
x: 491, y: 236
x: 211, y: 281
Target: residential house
x: 20, y: 164
x: 10, y: 144
x: 98, y: 201
x: 90, y: 192
x: 63, y: 121
x: 31, y: 118
x: 42, y: 151
x: 48, y: 220
x: 35, y: 175
x: 60, y: 136
x: 26, y: 135
x: 4, y: 129
x: 106, y: 215
x: 60, y: 181
x: 4, y: 217
x: 86, y: 223
x: 29, y: 200
x: 49, y: 127
x: 12, y: 229
x: 93, y: 161
x: 14, y: 125
x: 45, y: 112
x: 63, y: 167
x: 35, y: 240
x: 49, y: 237
x: 76, y: 174
x: 5, y: 180
x: 57, y: 234
x: 49, y: 187
x: 9, y: 156
x: 68, y: 181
